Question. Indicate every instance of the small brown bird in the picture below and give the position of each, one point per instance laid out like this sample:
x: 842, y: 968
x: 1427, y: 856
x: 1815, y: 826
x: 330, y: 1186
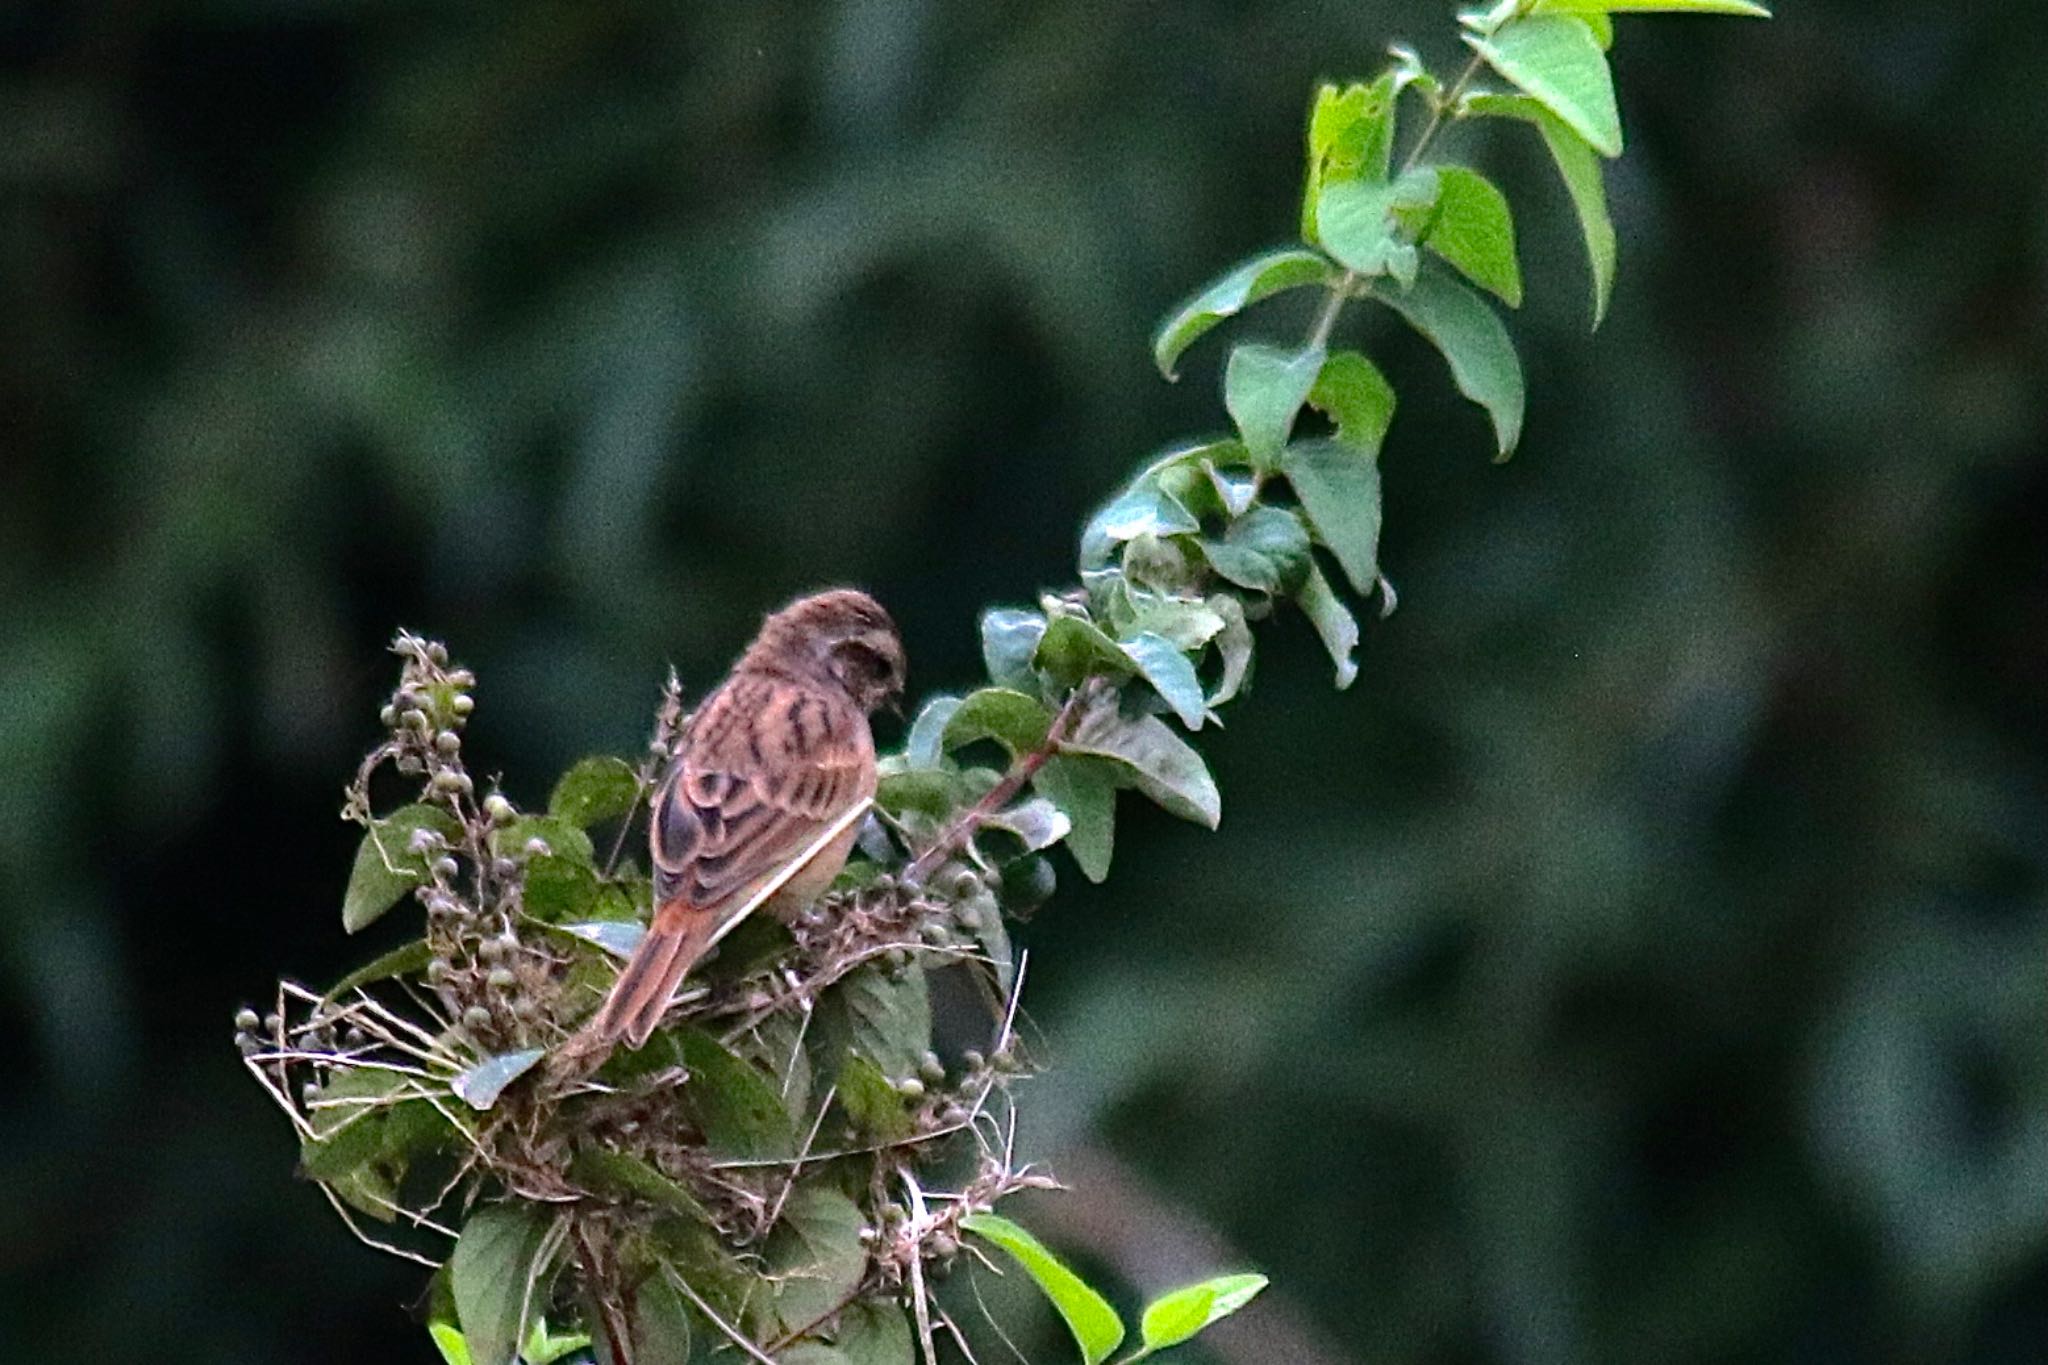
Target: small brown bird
x: 769, y: 781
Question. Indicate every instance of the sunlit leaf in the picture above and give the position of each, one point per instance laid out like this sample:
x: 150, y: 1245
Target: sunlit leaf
x: 1357, y: 398
x: 1075, y: 649
x: 1584, y: 180
x: 1246, y: 284
x: 1556, y: 59
x: 1743, y: 8
x: 617, y: 937
x: 1097, y: 1329
x: 1474, y: 230
x: 544, y: 1347
x: 448, y: 1341
x: 1174, y: 1317
x: 1350, y: 137
x: 1361, y: 221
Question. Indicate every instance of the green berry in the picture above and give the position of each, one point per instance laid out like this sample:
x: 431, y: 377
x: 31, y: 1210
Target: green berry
x: 503, y: 978
x: 247, y: 1019
x: 498, y: 809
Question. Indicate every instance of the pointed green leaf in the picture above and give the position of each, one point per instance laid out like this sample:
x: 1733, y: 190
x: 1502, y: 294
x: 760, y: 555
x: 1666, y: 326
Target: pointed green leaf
x: 480, y: 1086
x: 1264, y: 387
x: 874, y: 1334
x: 1186, y: 623
x: 815, y: 1255
x: 1361, y: 221
x: 1475, y: 343
x: 1234, y: 643
x: 1475, y: 231
x: 1333, y: 621
x: 1248, y: 282
x: 659, y: 1323
x: 1584, y: 180
x: 406, y: 960
x: 620, y: 1175
x: 1744, y: 8
x: 1174, y: 1317
x: 925, y: 746
x: 1355, y: 396
x: 1085, y: 789
x: 1265, y: 550
x: 1095, y: 1325
x: 493, y: 1273
x: 1037, y: 823
x: 1074, y: 649
x: 1149, y: 757
x: 1014, y: 720
x: 1339, y: 488
x: 1556, y: 59
x: 448, y: 1341
x: 544, y: 1347
x: 735, y: 1106
x: 1172, y: 676
x: 594, y: 790
x: 1009, y: 637
x: 367, y: 1126
x: 385, y: 868
x: 876, y: 1107
x: 882, y: 1017
x: 1144, y: 509
x: 1350, y: 137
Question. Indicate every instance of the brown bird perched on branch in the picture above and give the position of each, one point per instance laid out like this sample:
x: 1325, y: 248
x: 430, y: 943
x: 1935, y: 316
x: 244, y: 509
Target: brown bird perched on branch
x: 765, y: 794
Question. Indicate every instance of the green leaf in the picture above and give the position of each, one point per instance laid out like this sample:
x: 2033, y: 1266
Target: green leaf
x: 1361, y: 221
x: 493, y: 1273
x: 1350, y: 137
x: 1085, y: 789
x: 596, y: 789
x: 368, y: 1125
x: 1354, y: 395
x: 810, y: 1353
x: 1036, y: 823
x: 1095, y: 1325
x: 1247, y: 283
x: 1149, y: 757
x: 406, y: 960
x: 1266, y: 550
x: 384, y: 868
x: 884, y: 1017
x: 1143, y: 509
x: 1264, y: 387
x: 735, y: 1106
x: 1186, y: 623
x: 874, y: 1334
x: 1234, y: 643
x: 1475, y: 231
x: 1075, y: 649
x: 815, y: 1256
x: 564, y: 838
x: 1556, y: 59
x: 448, y: 1341
x: 1174, y: 1317
x: 925, y: 747
x: 622, y: 1176
x: 877, y: 1109
x: 1471, y: 337
x: 544, y: 1347
x: 1009, y: 639
x: 1333, y: 621
x: 617, y: 937
x: 1339, y: 488
x: 1172, y: 676
x: 660, y: 1322
x: 1014, y: 720
x: 1584, y: 180
x: 1744, y: 8
x: 480, y: 1086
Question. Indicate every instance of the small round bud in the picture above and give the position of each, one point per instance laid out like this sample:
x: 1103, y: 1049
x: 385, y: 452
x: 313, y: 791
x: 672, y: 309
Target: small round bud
x: 476, y: 1018
x: 246, y: 1043
x: 448, y: 742
x: 932, y: 1069
x: 966, y: 883
x: 934, y: 933
x: 953, y: 1115
x: 537, y: 848
x: 247, y: 1019
x: 309, y: 1092
x: 388, y: 717
x: 355, y: 1038
x: 415, y: 719
x: 969, y: 915
x: 409, y: 765
x: 463, y: 784
x: 437, y: 651
x: 883, y: 884
x: 866, y: 1236
x: 423, y: 841
x: 463, y: 704
x: 461, y: 677
x: 447, y: 780
x: 498, y: 809
x: 910, y: 1088
x: 441, y: 906
x: 438, y: 971
x: 503, y: 978
x: 446, y: 868
x: 491, y: 950
x: 525, y: 1009
x: 973, y: 1060
x: 897, y: 958
x: 944, y: 1245
x: 504, y: 869
x: 273, y: 1022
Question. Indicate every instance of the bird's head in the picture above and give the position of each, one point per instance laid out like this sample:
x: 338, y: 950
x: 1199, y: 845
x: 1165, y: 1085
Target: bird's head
x: 848, y: 636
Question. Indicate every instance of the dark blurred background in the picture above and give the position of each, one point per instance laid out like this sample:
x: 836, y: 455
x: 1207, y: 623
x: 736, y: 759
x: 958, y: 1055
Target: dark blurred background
x: 1646, y: 960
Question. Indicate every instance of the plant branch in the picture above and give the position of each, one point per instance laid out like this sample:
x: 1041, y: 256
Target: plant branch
x: 1001, y: 794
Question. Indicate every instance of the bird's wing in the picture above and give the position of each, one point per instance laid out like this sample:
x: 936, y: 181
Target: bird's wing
x: 766, y: 766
